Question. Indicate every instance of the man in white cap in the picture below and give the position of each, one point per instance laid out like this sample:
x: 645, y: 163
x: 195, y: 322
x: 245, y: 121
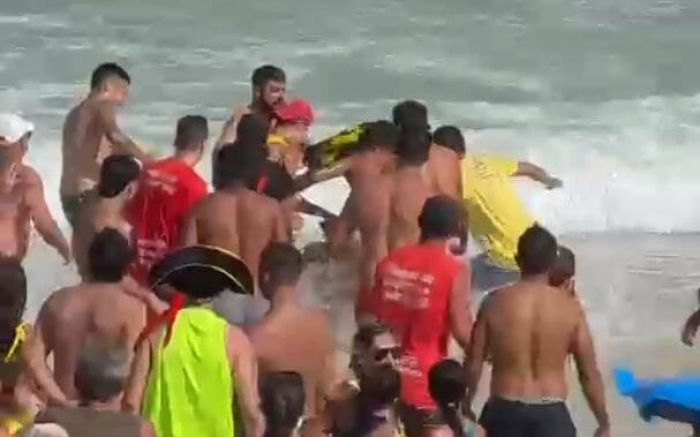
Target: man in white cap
x: 22, y: 195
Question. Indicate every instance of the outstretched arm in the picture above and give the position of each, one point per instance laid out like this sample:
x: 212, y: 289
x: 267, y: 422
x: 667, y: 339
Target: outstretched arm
x: 120, y: 141
x: 538, y: 174
x: 43, y: 221
x: 588, y: 373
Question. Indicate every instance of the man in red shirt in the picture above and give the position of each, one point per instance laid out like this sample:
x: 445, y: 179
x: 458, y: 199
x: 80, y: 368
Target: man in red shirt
x: 167, y: 191
x: 422, y: 293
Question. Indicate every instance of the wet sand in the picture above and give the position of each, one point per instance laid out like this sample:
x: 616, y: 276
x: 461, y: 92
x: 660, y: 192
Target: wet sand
x: 638, y: 290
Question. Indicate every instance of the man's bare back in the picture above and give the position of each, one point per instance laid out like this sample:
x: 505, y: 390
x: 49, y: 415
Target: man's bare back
x: 299, y: 340
x: 410, y: 189
x: 531, y: 329
x: 238, y: 220
x: 443, y: 168
x: 69, y: 315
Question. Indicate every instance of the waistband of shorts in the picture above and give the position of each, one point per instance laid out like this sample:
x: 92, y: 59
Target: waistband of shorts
x: 529, y: 400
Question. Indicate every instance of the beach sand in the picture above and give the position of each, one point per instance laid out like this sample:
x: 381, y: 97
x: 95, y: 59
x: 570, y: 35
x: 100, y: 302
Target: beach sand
x: 638, y: 290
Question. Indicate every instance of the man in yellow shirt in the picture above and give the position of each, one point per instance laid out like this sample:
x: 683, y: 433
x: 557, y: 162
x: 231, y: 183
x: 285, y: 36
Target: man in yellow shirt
x: 497, y: 216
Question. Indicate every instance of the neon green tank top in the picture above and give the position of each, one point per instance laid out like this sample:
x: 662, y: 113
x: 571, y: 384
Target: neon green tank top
x: 190, y: 388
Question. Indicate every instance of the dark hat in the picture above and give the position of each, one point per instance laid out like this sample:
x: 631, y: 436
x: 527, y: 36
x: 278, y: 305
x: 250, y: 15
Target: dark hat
x: 202, y: 272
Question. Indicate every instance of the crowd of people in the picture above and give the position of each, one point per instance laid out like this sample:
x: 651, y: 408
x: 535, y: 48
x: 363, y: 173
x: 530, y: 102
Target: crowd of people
x: 187, y: 320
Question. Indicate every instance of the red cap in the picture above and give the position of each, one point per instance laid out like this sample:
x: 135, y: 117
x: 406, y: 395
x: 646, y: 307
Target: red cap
x: 295, y: 111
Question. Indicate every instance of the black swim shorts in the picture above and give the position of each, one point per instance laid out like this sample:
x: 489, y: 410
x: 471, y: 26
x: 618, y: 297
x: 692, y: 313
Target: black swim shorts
x: 504, y: 418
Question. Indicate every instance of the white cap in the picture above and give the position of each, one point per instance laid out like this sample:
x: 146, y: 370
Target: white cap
x: 13, y: 127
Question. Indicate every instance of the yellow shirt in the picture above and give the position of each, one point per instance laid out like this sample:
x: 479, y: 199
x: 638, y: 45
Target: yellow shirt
x: 497, y: 216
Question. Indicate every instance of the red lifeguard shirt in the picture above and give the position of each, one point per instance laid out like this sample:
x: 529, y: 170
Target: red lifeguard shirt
x: 168, y: 189
x: 411, y: 296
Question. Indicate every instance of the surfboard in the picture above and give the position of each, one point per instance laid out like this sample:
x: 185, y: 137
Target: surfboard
x: 674, y: 399
x: 327, y: 152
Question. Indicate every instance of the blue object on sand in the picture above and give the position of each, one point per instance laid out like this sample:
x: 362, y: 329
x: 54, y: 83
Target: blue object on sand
x: 675, y: 399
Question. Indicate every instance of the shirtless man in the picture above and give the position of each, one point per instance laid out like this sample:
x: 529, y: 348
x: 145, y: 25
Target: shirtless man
x: 529, y: 329
x: 234, y: 217
x: 292, y: 338
x: 410, y: 188
x: 100, y: 308
x: 22, y: 195
x: 118, y: 182
x: 443, y: 162
x: 269, y: 85
x: 90, y: 134
x: 367, y: 207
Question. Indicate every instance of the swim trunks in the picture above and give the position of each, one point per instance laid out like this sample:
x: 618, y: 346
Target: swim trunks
x: 506, y: 418
x: 71, y: 206
x: 168, y: 189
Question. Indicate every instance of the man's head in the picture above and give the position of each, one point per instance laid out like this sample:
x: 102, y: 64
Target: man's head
x: 564, y: 269
x: 293, y: 120
x: 109, y: 256
x: 411, y: 114
x: 111, y: 82
x: 240, y: 163
x: 269, y: 87
x: 13, y: 300
x: 101, y: 370
x: 381, y: 387
x: 119, y: 177
x: 413, y: 147
x: 15, y: 133
x: 379, y: 138
x: 373, y: 346
x: 447, y: 383
x: 450, y: 137
x: 537, y: 251
x: 442, y: 218
x: 283, y: 399
x: 281, y: 265
x: 191, y: 135
x: 252, y: 129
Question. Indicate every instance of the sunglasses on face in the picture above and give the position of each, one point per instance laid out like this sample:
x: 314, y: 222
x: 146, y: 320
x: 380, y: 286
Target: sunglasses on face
x: 383, y: 354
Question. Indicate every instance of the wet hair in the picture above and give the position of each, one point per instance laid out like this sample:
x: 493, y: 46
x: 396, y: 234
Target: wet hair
x: 13, y: 301
x: 410, y: 114
x: 413, y: 147
x: 238, y: 163
x: 101, y: 370
x: 109, y: 256
x: 282, y: 398
x: 382, y: 387
x: 447, y: 384
x: 564, y: 267
x: 107, y: 71
x: 366, y: 333
x: 451, y: 138
x: 117, y: 172
x: 537, y: 251
x: 379, y: 134
x: 441, y: 218
x: 191, y: 133
x: 267, y: 73
x: 252, y: 129
x: 282, y: 263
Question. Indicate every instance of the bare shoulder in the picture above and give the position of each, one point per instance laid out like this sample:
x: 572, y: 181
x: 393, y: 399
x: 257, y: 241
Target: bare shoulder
x: 57, y: 303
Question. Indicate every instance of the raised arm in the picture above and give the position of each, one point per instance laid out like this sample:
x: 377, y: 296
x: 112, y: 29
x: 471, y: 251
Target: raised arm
x: 588, y: 373
x: 244, y: 371
x: 538, y: 174
x: 43, y: 221
x: 120, y: 141
x: 37, y: 349
x: 459, y: 308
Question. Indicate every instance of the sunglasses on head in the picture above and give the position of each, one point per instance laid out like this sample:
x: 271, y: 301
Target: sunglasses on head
x: 383, y: 354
